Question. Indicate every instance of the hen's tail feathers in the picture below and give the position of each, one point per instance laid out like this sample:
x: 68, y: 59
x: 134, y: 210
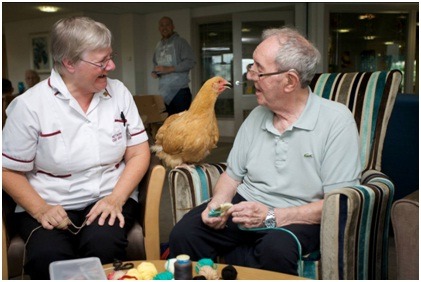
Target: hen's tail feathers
x: 156, y: 148
x: 168, y: 160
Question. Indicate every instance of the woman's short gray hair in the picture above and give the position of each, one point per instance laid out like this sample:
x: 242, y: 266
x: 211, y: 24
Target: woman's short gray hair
x: 295, y: 52
x: 71, y: 37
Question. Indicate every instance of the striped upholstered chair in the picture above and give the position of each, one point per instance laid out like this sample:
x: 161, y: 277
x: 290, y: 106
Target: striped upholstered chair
x: 355, y: 220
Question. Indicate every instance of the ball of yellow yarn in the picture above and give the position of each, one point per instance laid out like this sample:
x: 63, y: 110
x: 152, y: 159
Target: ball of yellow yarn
x: 147, y: 270
x: 133, y: 272
x: 208, y: 272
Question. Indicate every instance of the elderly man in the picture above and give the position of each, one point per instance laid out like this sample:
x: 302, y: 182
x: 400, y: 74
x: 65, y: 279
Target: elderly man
x: 291, y: 150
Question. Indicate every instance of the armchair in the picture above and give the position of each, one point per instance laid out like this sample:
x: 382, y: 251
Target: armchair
x: 143, y: 237
x: 405, y: 222
x: 355, y: 220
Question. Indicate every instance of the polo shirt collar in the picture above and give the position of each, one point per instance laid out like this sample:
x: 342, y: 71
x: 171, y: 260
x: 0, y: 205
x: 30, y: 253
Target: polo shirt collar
x: 60, y: 89
x: 307, y: 119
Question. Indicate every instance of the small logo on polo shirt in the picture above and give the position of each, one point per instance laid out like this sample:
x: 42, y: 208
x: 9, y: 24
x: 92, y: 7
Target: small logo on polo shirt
x: 308, y: 155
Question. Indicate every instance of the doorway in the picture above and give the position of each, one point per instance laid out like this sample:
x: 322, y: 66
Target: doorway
x: 226, y: 49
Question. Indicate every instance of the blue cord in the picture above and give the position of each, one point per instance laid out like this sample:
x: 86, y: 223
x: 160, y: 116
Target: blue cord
x: 300, y: 259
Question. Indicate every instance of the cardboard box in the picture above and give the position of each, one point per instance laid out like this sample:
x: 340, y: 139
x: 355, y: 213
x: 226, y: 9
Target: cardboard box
x: 151, y: 108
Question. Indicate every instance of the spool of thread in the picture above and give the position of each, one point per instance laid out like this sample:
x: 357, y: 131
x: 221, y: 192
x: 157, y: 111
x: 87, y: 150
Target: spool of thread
x: 183, y: 269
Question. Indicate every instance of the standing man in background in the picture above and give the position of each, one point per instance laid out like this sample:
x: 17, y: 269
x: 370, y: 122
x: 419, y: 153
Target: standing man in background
x: 173, y: 60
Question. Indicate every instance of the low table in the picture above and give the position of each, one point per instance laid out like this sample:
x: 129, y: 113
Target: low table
x: 243, y: 273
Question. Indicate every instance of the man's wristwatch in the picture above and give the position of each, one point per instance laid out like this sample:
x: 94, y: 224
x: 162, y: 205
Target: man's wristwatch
x: 270, y: 220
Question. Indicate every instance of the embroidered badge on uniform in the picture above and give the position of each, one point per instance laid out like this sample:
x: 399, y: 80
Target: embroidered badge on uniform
x: 308, y: 155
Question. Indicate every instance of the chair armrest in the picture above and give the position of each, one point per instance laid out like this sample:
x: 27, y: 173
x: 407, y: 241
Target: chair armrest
x: 405, y: 222
x: 5, y: 269
x: 192, y: 185
x: 151, y: 187
x: 355, y: 229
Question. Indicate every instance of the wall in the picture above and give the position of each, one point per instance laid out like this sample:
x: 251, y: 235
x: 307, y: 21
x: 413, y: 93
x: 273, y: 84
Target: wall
x: 134, y: 40
x: 17, y: 35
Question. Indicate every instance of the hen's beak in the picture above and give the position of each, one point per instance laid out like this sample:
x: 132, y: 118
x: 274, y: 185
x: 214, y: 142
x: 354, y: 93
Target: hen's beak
x: 228, y: 85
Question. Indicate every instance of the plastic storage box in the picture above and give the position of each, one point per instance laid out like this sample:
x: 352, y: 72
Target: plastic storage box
x: 77, y: 269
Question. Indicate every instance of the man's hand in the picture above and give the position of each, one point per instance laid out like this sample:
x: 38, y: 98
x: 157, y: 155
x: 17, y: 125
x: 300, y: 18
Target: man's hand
x: 249, y: 214
x: 163, y: 69
x: 216, y: 222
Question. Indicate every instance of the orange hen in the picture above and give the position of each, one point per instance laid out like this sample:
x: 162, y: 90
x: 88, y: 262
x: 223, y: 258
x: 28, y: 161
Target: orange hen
x: 189, y: 136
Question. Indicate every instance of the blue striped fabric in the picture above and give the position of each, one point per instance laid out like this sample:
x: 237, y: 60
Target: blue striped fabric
x: 356, y: 219
x: 204, y: 189
x: 370, y: 96
x: 192, y: 185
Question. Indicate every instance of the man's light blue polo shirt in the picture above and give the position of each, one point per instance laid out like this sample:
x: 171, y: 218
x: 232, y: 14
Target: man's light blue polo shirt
x: 318, y: 153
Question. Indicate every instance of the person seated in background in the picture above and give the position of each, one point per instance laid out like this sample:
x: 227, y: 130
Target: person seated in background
x: 7, y: 87
x: 291, y: 150
x: 31, y: 78
x: 74, y: 151
x: 7, y: 90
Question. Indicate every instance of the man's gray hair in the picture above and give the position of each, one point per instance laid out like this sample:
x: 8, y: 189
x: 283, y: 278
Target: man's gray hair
x: 295, y: 52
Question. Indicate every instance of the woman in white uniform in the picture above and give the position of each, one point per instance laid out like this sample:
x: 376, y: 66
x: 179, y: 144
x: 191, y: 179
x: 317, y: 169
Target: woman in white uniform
x: 74, y: 151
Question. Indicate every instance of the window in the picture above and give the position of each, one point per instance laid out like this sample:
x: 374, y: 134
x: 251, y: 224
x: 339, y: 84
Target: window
x: 369, y: 42
x: 217, y: 56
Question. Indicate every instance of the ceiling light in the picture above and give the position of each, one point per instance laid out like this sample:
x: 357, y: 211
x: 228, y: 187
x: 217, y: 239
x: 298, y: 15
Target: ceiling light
x: 48, y: 9
x: 369, y: 37
x: 215, y: 49
x: 389, y: 43
x: 343, y: 30
x: 367, y: 17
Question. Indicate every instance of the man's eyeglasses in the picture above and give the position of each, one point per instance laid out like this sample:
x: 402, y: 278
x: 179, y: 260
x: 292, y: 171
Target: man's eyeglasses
x: 102, y: 65
x: 255, y: 75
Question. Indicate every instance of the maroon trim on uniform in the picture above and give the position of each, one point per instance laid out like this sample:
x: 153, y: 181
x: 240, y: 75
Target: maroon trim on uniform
x: 13, y: 159
x: 49, y: 134
x: 52, y: 175
x: 49, y: 84
x: 137, y: 133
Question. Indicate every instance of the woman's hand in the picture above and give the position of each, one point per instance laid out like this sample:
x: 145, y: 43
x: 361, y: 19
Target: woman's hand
x: 249, y: 214
x: 106, y: 207
x: 52, y: 217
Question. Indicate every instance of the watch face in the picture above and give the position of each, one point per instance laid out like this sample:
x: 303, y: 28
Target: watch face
x: 270, y: 222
